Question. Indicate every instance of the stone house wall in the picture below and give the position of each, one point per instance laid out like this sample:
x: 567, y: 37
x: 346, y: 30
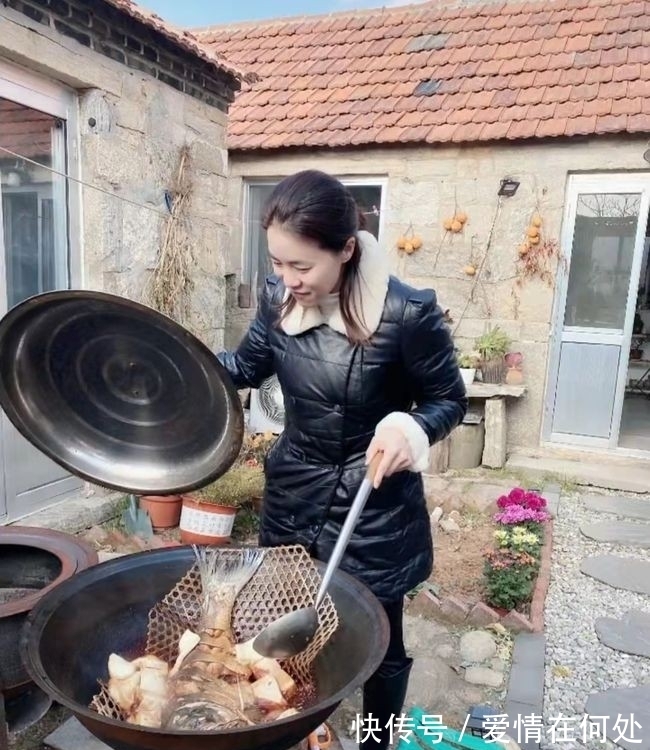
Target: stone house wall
x: 424, y: 185
x: 140, y: 101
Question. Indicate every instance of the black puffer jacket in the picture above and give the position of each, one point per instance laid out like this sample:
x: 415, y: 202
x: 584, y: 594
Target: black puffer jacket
x: 335, y: 393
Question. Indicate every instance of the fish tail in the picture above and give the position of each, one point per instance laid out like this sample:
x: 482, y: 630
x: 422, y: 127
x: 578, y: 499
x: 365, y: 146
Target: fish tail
x: 217, y: 569
x: 222, y: 578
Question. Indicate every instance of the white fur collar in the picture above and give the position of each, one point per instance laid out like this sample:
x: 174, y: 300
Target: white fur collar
x: 369, y: 294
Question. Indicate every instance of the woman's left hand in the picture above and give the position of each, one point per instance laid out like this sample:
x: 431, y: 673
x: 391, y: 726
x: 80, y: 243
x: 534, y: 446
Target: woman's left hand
x: 397, y: 453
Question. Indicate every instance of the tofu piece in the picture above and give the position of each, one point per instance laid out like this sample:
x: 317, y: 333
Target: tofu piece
x: 246, y: 654
x: 149, y: 712
x: 267, y: 666
x: 119, y: 668
x: 153, y: 681
x: 268, y: 695
x: 125, y: 692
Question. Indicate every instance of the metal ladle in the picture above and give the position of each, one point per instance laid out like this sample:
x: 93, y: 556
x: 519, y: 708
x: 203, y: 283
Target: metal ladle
x: 293, y: 632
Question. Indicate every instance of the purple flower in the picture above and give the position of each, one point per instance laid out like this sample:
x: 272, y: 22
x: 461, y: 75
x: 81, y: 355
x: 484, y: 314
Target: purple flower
x: 514, y: 514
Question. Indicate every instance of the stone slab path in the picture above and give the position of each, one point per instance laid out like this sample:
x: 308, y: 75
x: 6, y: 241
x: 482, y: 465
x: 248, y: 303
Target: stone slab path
x: 620, y: 572
x: 618, y: 532
x: 525, y: 695
x: 630, y: 635
x: 624, y: 708
x: 620, y: 506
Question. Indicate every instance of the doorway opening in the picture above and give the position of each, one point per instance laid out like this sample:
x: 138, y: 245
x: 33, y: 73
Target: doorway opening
x: 635, y: 418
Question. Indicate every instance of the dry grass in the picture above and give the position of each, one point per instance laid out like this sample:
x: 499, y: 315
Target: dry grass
x: 235, y: 487
x: 170, y: 285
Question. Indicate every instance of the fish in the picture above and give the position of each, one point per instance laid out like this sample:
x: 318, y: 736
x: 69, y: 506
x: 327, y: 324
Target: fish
x: 214, y: 683
x: 210, y: 689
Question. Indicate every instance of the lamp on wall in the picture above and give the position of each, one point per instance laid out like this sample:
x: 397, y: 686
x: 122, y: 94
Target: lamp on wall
x: 646, y: 155
x: 508, y: 187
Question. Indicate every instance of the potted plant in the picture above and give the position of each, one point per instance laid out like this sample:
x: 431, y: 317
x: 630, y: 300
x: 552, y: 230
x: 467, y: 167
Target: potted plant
x: 514, y: 373
x: 164, y: 510
x: 492, y: 347
x: 208, y: 515
x: 467, y: 364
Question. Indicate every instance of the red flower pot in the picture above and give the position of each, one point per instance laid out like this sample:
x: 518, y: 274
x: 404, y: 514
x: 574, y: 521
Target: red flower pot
x: 164, y: 510
x: 205, y: 523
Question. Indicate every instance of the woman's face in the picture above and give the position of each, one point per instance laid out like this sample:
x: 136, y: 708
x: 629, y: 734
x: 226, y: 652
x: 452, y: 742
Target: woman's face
x: 308, y: 272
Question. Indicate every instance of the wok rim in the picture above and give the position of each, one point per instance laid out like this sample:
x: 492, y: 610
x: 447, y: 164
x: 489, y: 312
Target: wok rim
x: 38, y: 304
x: 51, y: 602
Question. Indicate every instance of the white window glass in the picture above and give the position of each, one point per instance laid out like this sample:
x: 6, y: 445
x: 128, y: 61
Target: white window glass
x: 34, y: 214
x: 601, y: 260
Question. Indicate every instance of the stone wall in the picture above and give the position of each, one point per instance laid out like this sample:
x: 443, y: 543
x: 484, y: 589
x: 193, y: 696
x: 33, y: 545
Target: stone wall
x: 131, y: 129
x: 424, y: 187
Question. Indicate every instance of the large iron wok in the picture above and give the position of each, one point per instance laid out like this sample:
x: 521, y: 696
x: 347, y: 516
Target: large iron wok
x: 71, y: 632
x: 123, y: 396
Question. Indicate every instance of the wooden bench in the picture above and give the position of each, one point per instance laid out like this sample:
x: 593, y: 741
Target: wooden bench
x: 496, y: 426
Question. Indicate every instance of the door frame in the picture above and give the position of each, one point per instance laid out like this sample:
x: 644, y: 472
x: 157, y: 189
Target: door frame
x: 602, y: 182
x: 35, y: 91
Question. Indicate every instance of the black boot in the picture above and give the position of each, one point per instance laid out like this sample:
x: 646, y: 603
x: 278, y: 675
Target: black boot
x: 383, y: 699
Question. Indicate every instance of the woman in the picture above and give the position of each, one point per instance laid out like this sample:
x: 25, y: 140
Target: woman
x: 353, y: 349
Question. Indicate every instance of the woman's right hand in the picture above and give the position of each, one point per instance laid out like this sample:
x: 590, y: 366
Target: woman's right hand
x: 397, y: 453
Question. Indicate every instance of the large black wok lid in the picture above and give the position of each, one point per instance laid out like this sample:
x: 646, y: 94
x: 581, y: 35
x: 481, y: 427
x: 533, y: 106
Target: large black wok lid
x: 117, y: 393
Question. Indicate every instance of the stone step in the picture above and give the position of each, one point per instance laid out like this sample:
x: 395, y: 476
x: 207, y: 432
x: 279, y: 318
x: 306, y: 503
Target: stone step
x: 621, y: 506
x: 621, y: 476
x: 618, y: 532
x: 625, y: 573
x: 622, y: 711
x: 631, y: 635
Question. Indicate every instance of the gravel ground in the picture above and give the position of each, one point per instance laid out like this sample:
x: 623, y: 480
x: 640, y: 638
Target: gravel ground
x: 577, y: 664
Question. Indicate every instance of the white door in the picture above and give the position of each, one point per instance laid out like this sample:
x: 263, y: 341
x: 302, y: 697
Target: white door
x: 35, y: 252
x: 603, y: 240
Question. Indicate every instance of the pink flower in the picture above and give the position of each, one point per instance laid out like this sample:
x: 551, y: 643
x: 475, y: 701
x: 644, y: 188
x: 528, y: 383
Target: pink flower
x: 518, y: 497
x: 514, y: 514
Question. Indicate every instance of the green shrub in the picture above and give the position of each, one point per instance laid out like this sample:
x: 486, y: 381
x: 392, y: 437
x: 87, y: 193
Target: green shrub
x: 509, y: 577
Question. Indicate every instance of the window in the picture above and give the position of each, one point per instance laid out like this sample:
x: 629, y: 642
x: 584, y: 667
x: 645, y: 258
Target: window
x: 34, y: 216
x: 368, y: 194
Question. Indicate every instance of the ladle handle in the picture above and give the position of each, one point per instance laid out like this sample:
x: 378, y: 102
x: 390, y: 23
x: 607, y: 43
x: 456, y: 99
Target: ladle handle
x: 357, y: 506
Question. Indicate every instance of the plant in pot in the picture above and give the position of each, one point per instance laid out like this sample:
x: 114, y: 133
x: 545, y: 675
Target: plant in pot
x: 467, y: 364
x: 208, y: 515
x: 492, y: 347
x: 164, y: 510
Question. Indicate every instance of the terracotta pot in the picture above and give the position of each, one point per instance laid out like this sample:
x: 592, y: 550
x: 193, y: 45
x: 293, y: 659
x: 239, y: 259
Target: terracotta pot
x: 206, y: 523
x: 514, y: 376
x: 164, y: 510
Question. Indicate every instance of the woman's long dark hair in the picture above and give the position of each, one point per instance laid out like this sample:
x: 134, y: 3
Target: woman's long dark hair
x: 316, y: 206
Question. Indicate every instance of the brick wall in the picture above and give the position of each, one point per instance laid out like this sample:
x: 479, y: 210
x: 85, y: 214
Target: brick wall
x: 116, y: 35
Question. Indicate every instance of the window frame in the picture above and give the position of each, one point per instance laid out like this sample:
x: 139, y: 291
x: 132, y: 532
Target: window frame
x: 349, y: 181
x: 32, y: 90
